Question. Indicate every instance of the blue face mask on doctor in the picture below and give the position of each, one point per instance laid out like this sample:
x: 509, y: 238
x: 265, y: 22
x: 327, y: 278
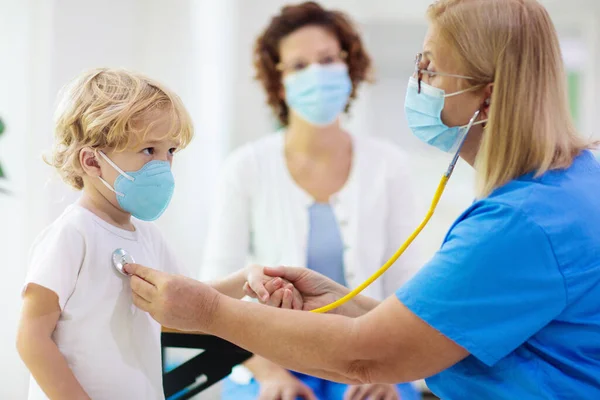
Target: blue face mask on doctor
x: 423, y: 108
x: 318, y: 93
x: 145, y: 193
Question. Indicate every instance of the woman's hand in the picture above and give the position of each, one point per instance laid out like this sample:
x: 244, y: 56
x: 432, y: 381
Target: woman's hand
x: 284, y: 387
x: 276, y: 383
x: 373, y: 391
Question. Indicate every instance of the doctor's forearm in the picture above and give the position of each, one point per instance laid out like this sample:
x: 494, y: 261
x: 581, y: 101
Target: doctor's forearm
x: 315, y: 344
x: 364, y: 304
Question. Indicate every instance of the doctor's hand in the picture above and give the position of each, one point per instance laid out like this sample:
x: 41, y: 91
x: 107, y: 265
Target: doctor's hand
x: 317, y: 290
x: 174, y: 301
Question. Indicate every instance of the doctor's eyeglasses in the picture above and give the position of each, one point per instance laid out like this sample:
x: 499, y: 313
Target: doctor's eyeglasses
x: 422, y: 73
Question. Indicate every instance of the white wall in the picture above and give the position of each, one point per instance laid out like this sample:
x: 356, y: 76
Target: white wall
x: 200, y: 71
x: 15, y: 36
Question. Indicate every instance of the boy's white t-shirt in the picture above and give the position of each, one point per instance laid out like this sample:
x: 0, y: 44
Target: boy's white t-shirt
x: 112, y: 347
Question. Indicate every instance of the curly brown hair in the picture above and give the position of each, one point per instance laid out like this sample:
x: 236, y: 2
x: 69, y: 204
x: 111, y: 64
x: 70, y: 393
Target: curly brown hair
x: 290, y: 19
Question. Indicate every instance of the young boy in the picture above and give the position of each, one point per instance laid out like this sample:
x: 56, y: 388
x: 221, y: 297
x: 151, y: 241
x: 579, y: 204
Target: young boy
x: 80, y: 334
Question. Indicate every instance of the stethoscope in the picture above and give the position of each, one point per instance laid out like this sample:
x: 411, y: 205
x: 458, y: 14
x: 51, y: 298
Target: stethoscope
x: 411, y: 238
x: 120, y: 258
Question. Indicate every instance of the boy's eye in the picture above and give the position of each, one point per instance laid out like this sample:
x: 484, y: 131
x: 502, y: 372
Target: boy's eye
x: 172, y: 150
x: 148, y: 151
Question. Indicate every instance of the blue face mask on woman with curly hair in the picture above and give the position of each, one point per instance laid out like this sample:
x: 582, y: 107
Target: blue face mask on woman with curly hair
x: 319, y: 93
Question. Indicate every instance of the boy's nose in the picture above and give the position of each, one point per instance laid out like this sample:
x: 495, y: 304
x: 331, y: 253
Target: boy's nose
x: 159, y: 156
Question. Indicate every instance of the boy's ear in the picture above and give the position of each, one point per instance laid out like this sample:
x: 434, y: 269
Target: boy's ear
x: 88, y: 160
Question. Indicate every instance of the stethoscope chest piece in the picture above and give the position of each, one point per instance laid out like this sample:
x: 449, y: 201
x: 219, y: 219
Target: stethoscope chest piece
x: 120, y: 258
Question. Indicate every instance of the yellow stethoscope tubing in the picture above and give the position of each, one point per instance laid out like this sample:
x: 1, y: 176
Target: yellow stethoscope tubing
x: 436, y: 199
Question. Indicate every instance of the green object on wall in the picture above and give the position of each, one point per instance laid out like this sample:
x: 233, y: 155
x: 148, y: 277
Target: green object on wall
x: 573, y: 86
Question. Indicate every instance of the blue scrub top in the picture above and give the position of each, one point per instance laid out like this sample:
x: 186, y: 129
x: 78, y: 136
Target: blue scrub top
x: 517, y: 284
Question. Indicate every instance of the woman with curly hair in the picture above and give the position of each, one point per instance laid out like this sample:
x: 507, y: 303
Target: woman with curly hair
x: 312, y: 194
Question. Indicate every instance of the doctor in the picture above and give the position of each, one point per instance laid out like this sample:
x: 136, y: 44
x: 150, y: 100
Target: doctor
x: 508, y: 307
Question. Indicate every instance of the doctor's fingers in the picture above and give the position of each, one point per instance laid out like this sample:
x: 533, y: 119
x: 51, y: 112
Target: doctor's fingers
x: 297, y: 299
x: 142, y: 288
x: 262, y: 291
x: 291, y: 299
x: 274, y: 284
x: 276, y: 298
x: 287, y: 299
x: 141, y: 303
x: 148, y: 274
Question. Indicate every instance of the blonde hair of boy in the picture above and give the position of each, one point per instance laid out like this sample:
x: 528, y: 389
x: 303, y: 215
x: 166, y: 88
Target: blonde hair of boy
x: 107, y: 108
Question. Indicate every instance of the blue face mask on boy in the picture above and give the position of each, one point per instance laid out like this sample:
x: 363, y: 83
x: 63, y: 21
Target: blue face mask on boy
x: 319, y: 93
x: 424, y: 114
x: 145, y: 193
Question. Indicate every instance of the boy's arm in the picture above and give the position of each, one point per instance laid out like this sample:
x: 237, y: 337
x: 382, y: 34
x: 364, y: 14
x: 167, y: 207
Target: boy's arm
x: 39, y: 316
x: 233, y: 284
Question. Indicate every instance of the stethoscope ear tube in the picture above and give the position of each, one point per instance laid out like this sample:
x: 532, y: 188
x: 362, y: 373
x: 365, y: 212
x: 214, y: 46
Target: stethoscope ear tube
x: 434, y: 202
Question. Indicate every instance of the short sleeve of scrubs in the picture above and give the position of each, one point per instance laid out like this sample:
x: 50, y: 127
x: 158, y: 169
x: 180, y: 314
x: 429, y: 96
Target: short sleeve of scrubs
x: 493, y: 284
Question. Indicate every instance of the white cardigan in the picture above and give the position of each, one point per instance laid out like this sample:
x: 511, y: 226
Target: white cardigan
x: 260, y: 214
